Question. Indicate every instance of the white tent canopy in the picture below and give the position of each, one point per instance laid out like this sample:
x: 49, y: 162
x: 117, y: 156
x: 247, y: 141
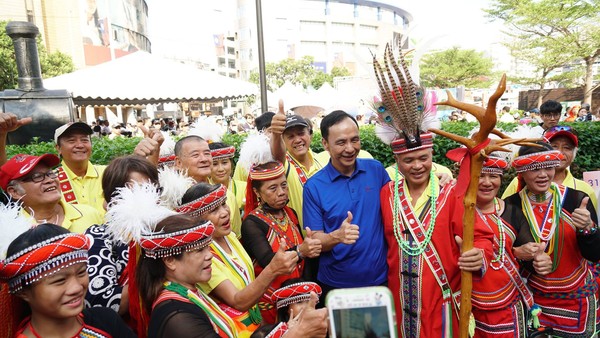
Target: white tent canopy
x: 142, y: 78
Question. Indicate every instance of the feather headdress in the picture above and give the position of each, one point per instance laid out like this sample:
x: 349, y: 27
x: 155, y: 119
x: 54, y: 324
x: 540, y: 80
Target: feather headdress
x: 174, y: 184
x: 255, y: 150
x: 135, y: 211
x: 405, y: 110
x: 12, y: 224
x: 167, y: 148
x: 208, y: 129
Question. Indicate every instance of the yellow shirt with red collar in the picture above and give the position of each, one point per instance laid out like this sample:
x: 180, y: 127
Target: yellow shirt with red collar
x: 78, y: 217
x: 87, y: 189
x: 295, y: 186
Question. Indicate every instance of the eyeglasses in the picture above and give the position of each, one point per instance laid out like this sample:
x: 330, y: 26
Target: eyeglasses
x: 552, y: 115
x: 39, y: 177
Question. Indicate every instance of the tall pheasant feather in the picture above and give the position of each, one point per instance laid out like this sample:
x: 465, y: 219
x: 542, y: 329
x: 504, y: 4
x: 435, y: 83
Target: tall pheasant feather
x: 403, y: 106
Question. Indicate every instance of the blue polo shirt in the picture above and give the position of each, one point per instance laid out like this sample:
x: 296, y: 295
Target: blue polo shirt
x: 328, y: 196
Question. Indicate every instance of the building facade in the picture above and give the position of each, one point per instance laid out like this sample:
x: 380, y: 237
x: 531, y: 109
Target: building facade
x: 90, y: 31
x: 334, y: 32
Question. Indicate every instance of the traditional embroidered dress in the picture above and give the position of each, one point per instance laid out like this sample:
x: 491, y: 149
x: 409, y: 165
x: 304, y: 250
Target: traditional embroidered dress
x: 97, y: 323
x: 500, y: 298
x: 261, y: 228
x: 568, y: 294
x: 423, y: 258
x: 203, y: 308
x: 497, y: 298
x: 262, y: 233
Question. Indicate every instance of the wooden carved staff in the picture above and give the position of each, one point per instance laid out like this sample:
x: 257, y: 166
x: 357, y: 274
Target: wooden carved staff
x: 478, y: 147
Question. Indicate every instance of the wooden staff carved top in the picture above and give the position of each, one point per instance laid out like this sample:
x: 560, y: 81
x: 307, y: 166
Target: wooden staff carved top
x: 479, y: 146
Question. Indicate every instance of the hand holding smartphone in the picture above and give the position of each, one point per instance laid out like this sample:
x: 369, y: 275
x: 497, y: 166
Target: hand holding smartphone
x: 361, y: 313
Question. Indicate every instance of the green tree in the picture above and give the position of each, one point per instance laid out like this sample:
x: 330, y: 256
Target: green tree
x: 456, y: 67
x: 297, y: 72
x: 52, y: 64
x: 569, y: 27
x: 545, y: 61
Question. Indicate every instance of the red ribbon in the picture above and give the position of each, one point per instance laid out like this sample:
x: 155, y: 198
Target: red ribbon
x: 463, y: 156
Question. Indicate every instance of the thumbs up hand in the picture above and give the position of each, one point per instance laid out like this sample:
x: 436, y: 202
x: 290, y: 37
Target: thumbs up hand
x: 581, y: 216
x: 278, y: 121
x: 10, y: 122
x: 150, y: 144
x: 348, y: 232
x: 311, y: 247
x: 542, y: 262
x: 283, y: 262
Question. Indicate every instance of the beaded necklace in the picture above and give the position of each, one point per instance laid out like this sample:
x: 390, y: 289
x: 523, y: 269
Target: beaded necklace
x: 543, y: 232
x: 413, y: 249
x: 497, y: 262
x: 280, y: 222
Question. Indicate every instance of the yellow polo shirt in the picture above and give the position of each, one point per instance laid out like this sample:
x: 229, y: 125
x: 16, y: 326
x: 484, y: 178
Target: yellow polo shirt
x: 238, y: 188
x: 88, y: 189
x: 295, y: 187
x: 234, y: 214
x: 569, y: 182
x: 240, y: 173
x: 78, y: 217
x: 436, y: 168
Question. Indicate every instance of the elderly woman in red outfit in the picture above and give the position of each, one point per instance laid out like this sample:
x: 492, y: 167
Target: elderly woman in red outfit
x: 561, y: 222
x: 268, y: 222
x: 500, y: 298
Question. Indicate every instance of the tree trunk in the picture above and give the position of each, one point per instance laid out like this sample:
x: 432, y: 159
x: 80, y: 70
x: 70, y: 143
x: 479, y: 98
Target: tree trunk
x: 589, y: 77
x: 541, y: 92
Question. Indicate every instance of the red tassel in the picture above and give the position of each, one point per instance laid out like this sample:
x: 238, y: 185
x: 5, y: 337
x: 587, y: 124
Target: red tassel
x: 251, y: 200
x: 12, y: 311
x: 137, y: 312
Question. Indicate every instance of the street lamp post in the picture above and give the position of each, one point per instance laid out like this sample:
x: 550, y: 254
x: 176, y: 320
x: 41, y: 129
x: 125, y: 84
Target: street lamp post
x: 261, y: 58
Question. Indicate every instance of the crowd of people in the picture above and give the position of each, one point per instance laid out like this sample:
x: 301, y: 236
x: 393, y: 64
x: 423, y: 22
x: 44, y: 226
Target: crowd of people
x: 191, y: 244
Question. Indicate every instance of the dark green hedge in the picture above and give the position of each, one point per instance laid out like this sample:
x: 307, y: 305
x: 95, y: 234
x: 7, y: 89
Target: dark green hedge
x: 587, y: 157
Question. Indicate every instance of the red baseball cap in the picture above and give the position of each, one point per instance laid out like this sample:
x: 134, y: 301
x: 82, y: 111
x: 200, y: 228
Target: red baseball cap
x: 22, y: 164
x: 566, y: 131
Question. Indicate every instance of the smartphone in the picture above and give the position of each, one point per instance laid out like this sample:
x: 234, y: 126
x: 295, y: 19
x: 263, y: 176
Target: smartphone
x: 361, y: 313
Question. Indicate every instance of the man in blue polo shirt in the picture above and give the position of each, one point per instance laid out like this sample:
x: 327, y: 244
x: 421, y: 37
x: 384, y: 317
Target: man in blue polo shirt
x: 342, y: 208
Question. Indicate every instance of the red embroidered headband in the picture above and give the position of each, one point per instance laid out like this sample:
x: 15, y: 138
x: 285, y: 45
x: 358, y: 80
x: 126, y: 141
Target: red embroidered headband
x: 295, y: 293
x: 541, y: 160
x: 266, y: 174
x: 43, y: 259
x: 494, y: 165
x: 401, y: 146
x: 159, y: 245
x: 168, y: 161
x: 204, y: 204
x: 221, y: 153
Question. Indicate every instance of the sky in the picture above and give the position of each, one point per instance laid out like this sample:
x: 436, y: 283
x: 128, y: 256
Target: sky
x: 438, y: 24
x: 456, y: 22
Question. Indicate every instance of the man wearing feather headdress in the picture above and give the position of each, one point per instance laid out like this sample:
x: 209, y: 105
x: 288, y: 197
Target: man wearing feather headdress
x: 422, y: 224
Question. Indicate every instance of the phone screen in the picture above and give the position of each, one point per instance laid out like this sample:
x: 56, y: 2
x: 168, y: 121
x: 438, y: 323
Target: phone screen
x: 363, y: 322
x: 361, y: 313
